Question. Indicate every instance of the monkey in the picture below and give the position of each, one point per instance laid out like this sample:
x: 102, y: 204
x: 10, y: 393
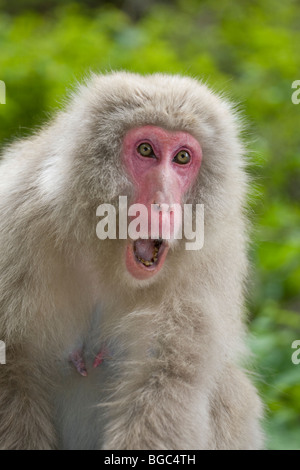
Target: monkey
x: 126, y: 343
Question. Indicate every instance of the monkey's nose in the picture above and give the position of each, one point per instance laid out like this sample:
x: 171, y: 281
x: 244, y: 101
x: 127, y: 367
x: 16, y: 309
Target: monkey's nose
x: 162, y: 207
x: 161, y: 202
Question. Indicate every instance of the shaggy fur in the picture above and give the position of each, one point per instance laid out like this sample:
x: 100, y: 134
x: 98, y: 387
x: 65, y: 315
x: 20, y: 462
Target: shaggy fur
x: 170, y: 379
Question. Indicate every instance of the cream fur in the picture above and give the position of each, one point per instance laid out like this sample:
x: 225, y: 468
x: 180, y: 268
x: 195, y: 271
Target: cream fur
x: 176, y: 341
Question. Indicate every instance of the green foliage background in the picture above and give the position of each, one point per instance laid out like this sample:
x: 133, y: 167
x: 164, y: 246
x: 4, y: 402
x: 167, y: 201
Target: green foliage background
x: 250, y: 49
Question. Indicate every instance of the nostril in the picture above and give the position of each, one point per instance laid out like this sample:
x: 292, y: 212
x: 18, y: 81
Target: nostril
x: 160, y: 200
x: 162, y: 207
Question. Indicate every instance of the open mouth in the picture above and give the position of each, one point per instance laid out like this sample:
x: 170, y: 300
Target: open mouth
x: 147, y: 252
x: 144, y: 258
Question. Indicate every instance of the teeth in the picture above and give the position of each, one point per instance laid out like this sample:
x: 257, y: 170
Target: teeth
x: 146, y: 262
x: 153, y: 259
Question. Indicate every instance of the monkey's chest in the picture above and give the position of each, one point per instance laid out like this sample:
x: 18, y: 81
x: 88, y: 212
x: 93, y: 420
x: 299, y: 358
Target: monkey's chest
x: 84, y: 387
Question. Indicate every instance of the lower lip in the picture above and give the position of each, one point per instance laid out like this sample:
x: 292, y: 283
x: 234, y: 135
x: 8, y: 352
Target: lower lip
x: 137, y: 269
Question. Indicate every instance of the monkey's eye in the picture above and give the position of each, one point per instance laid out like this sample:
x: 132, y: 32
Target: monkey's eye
x: 145, y: 150
x: 182, y: 157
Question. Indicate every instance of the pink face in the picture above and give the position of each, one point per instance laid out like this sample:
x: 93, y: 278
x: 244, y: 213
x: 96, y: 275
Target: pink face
x: 162, y: 165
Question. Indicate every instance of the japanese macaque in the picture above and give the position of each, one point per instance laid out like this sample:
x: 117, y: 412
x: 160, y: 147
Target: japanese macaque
x: 126, y: 343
